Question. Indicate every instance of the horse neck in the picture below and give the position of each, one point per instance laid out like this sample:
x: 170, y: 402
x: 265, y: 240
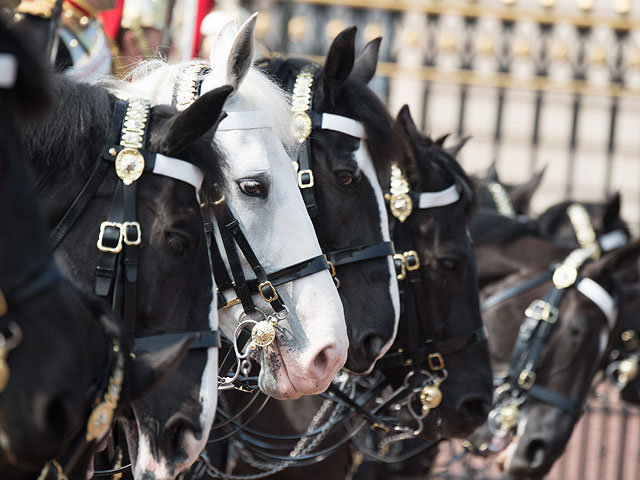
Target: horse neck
x: 25, y: 245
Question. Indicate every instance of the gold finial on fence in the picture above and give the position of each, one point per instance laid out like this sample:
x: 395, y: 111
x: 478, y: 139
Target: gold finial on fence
x: 599, y: 54
x: 372, y: 30
x: 509, y: 2
x: 560, y: 51
x: 585, y: 5
x: 547, y: 3
x: 334, y: 27
x: 522, y: 48
x: 297, y: 28
x: 447, y: 42
x: 484, y: 45
x: 623, y: 7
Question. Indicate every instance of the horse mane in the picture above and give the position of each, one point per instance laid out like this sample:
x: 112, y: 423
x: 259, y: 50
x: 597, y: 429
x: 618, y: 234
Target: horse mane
x: 74, y: 132
x: 383, y: 139
x: 256, y: 92
x: 489, y: 226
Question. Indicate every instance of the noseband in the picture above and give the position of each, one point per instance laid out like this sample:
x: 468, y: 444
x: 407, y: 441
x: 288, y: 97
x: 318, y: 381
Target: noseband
x: 186, y: 90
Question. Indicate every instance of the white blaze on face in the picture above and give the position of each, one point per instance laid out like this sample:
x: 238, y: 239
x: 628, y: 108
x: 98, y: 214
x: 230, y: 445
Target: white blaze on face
x: 368, y: 170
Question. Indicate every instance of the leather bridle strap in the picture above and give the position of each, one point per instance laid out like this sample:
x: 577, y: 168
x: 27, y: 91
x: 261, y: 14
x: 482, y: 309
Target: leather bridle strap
x: 505, y: 295
x: 359, y: 254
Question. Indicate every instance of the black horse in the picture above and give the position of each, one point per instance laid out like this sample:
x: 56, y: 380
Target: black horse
x: 341, y: 168
x: 562, y: 359
x: 162, y: 281
x: 60, y: 350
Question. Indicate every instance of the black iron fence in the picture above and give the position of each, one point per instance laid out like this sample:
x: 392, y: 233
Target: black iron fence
x: 534, y: 82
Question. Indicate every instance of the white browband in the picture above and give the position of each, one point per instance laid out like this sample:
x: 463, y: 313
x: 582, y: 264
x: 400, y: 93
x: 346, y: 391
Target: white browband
x: 599, y: 296
x: 8, y: 70
x: 178, y: 169
x: 248, y: 120
x: 341, y: 124
x: 442, y: 198
x: 612, y: 240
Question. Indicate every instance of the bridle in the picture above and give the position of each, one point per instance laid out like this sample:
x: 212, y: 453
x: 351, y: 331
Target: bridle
x: 120, y: 234
x: 103, y: 395
x: 234, y: 243
x: 305, y: 121
x: 519, y: 382
x: 420, y: 357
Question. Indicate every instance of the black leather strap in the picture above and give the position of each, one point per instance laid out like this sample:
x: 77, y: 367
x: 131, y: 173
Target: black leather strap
x: 201, y: 339
x: 543, y: 394
x: 504, y: 295
x: 359, y: 254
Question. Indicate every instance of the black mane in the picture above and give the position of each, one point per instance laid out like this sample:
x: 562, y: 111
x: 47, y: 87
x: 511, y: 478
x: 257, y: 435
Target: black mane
x: 383, y: 139
x: 74, y: 132
x: 487, y: 225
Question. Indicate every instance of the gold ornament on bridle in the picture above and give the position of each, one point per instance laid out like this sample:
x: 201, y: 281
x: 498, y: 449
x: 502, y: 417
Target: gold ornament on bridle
x: 400, y: 202
x: 585, y: 234
x: 301, y: 124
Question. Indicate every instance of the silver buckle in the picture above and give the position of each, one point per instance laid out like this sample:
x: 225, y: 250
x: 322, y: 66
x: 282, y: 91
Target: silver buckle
x: 541, y: 310
x: 125, y: 236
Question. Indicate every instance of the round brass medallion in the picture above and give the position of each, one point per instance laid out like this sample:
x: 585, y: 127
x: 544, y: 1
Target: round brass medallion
x: 401, y: 206
x: 301, y: 126
x: 263, y: 333
x: 564, y: 276
x: 430, y: 397
x: 129, y: 165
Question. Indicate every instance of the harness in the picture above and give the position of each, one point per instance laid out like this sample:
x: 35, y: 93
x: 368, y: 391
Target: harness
x: 422, y: 358
x: 120, y: 234
x: 519, y: 382
x: 304, y: 121
x: 235, y: 244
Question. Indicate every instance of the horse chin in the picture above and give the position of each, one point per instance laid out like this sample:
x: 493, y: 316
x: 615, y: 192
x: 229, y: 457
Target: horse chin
x: 274, y: 379
x: 505, y: 456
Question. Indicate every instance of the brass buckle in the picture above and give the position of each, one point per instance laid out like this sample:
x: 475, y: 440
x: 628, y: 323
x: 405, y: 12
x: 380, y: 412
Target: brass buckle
x: 305, y: 184
x: 541, y: 310
x: 296, y: 167
x: 104, y: 248
x: 332, y: 268
x: 398, y: 257
x: 629, y: 337
x: 414, y: 263
x: 3, y: 304
x: 435, y: 361
x: 274, y: 294
x: 526, y: 379
x: 125, y: 235
x: 232, y: 302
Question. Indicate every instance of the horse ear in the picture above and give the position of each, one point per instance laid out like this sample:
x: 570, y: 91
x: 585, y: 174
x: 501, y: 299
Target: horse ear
x: 407, y: 124
x: 365, y: 66
x: 455, y: 150
x: 195, y: 121
x: 521, y: 194
x: 241, y: 55
x: 339, y: 63
x: 148, y: 370
x: 492, y: 173
x: 615, y: 260
x: 611, y: 212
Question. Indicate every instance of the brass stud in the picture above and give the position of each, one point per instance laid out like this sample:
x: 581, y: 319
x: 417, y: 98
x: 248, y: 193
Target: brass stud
x: 113, y: 152
x: 585, y: 5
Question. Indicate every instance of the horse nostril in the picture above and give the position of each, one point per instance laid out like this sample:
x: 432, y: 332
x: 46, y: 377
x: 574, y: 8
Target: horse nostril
x: 321, y: 361
x: 474, y: 408
x: 372, y: 346
x: 175, y: 432
x: 56, y: 417
x: 535, y: 453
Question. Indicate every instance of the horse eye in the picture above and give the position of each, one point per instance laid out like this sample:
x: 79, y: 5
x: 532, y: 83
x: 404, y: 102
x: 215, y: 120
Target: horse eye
x: 251, y: 188
x: 178, y: 244
x: 449, y: 263
x: 345, y: 178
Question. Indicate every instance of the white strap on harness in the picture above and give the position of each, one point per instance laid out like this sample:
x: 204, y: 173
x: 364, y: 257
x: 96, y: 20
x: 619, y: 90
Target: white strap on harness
x: 601, y: 298
x: 248, y: 120
x: 442, y: 198
x: 8, y: 70
x: 612, y: 240
x: 178, y: 169
x: 341, y: 124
